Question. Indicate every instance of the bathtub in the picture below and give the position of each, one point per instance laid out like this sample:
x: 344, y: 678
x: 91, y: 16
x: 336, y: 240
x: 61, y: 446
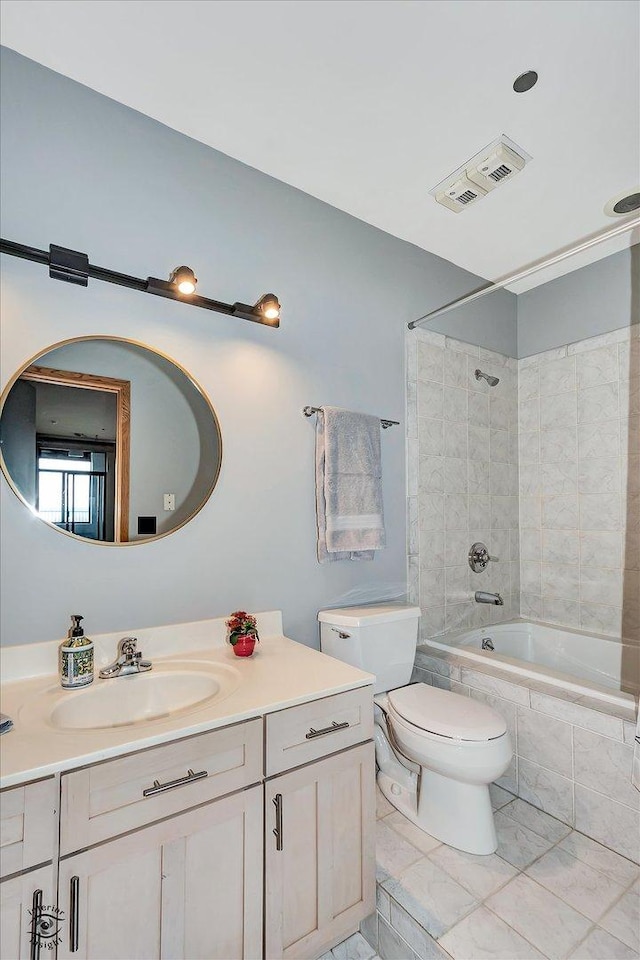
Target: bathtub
x: 584, y: 663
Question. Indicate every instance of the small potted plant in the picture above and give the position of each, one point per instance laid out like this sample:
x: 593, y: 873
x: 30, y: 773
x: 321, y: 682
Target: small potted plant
x: 243, y: 633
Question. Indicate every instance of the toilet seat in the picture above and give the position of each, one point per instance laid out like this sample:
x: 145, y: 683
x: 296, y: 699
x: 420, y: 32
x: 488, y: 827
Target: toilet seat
x: 445, y: 714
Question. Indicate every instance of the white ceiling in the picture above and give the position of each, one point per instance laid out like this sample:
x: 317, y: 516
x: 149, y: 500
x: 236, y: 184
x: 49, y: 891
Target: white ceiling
x: 367, y: 104
x: 69, y: 412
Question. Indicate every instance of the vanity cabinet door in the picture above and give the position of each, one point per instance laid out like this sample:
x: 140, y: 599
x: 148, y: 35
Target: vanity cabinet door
x: 28, y: 824
x: 184, y: 889
x: 320, y: 862
x: 20, y: 897
x: 212, y: 889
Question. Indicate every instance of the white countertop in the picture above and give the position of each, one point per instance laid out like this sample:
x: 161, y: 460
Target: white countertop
x: 281, y: 673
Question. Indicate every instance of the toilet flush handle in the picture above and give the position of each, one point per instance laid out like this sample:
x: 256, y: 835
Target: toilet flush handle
x: 341, y: 633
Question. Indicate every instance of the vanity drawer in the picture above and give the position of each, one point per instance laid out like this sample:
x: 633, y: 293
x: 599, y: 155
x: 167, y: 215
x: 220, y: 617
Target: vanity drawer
x: 313, y: 730
x: 116, y: 796
x: 27, y: 826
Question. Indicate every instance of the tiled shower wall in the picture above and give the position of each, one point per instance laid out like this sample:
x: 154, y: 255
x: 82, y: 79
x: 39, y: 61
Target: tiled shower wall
x: 462, y: 444
x: 544, y: 468
x: 579, y: 408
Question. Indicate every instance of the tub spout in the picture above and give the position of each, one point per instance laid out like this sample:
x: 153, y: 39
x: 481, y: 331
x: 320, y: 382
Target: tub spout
x: 483, y: 597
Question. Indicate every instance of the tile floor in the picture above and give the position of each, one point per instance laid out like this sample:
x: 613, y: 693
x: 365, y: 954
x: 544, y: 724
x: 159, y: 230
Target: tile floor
x: 548, y: 891
x: 355, y: 948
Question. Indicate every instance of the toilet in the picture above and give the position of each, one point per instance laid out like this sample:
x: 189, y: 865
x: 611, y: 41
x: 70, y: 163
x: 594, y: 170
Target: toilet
x: 436, y: 751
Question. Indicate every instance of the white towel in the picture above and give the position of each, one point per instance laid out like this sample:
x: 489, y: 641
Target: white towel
x: 348, y: 485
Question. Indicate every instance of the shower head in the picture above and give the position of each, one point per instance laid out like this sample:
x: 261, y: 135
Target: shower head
x: 492, y: 381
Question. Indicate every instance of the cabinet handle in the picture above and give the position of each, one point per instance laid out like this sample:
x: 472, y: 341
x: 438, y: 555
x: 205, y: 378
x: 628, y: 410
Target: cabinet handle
x: 74, y: 919
x: 332, y: 729
x: 277, y: 830
x: 170, y: 784
x: 36, y: 908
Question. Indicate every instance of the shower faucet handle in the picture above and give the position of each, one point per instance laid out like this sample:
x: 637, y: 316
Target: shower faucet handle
x: 479, y: 557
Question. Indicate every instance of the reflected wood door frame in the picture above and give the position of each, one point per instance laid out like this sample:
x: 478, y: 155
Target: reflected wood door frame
x: 122, y: 391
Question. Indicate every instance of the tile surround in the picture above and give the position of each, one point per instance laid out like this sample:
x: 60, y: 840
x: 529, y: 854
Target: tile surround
x: 572, y: 753
x: 463, y: 481
x: 574, y: 409
x: 546, y: 789
x: 611, y: 823
x: 544, y: 456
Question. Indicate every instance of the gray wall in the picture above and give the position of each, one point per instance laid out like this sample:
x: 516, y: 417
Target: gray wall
x: 85, y: 172
x: 18, y: 437
x: 598, y: 298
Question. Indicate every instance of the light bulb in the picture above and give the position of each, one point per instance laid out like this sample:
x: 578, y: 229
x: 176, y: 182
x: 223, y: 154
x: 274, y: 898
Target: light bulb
x: 269, y: 306
x: 184, y: 278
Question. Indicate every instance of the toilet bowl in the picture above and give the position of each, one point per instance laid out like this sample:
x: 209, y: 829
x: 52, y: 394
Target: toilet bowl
x: 436, y: 751
x: 461, y: 746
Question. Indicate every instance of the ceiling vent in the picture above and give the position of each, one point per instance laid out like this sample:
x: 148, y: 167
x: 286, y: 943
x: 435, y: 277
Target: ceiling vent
x: 500, y: 165
x: 495, y: 164
x: 460, y: 194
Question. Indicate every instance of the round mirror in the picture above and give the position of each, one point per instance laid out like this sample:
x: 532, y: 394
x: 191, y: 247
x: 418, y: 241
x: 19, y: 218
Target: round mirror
x: 109, y: 441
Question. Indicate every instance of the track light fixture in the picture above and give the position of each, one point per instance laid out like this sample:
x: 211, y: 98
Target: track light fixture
x: 184, y: 279
x: 74, y: 267
x: 269, y: 307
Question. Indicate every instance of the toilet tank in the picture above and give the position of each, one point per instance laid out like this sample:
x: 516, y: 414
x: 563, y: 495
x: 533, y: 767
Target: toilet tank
x: 380, y: 639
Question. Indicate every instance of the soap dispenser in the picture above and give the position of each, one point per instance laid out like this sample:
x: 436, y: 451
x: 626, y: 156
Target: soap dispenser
x: 76, y: 656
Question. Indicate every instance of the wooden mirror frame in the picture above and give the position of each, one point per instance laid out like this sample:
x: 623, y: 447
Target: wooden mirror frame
x: 122, y: 391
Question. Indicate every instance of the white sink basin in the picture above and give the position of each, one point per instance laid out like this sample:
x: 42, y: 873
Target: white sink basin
x: 141, y: 698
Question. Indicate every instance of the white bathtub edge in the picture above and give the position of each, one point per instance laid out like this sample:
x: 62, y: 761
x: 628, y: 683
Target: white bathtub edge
x: 546, y: 680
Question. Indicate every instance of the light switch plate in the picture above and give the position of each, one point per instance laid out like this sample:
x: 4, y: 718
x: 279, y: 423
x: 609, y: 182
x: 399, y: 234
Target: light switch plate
x: 169, y: 501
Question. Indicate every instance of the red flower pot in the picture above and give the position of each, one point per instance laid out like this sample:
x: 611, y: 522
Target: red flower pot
x: 244, y: 645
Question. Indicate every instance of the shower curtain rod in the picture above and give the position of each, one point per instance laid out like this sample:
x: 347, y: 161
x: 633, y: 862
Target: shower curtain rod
x: 521, y: 274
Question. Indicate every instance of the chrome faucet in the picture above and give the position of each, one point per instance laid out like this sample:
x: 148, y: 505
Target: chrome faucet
x: 129, y: 660
x: 482, y: 596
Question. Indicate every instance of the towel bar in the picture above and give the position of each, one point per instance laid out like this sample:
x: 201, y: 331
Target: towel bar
x: 309, y: 412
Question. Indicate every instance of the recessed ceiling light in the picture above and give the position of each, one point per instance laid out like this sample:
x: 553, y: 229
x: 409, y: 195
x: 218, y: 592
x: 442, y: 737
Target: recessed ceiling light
x: 525, y: 81
x: 627, y: 204
x: 623, y: 203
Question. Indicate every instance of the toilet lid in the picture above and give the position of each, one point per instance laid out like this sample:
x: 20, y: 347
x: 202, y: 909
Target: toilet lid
x: 446, y: 714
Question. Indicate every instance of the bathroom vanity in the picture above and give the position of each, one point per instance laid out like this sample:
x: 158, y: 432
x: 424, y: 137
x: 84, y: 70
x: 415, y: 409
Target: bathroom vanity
x: 239, y: 828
